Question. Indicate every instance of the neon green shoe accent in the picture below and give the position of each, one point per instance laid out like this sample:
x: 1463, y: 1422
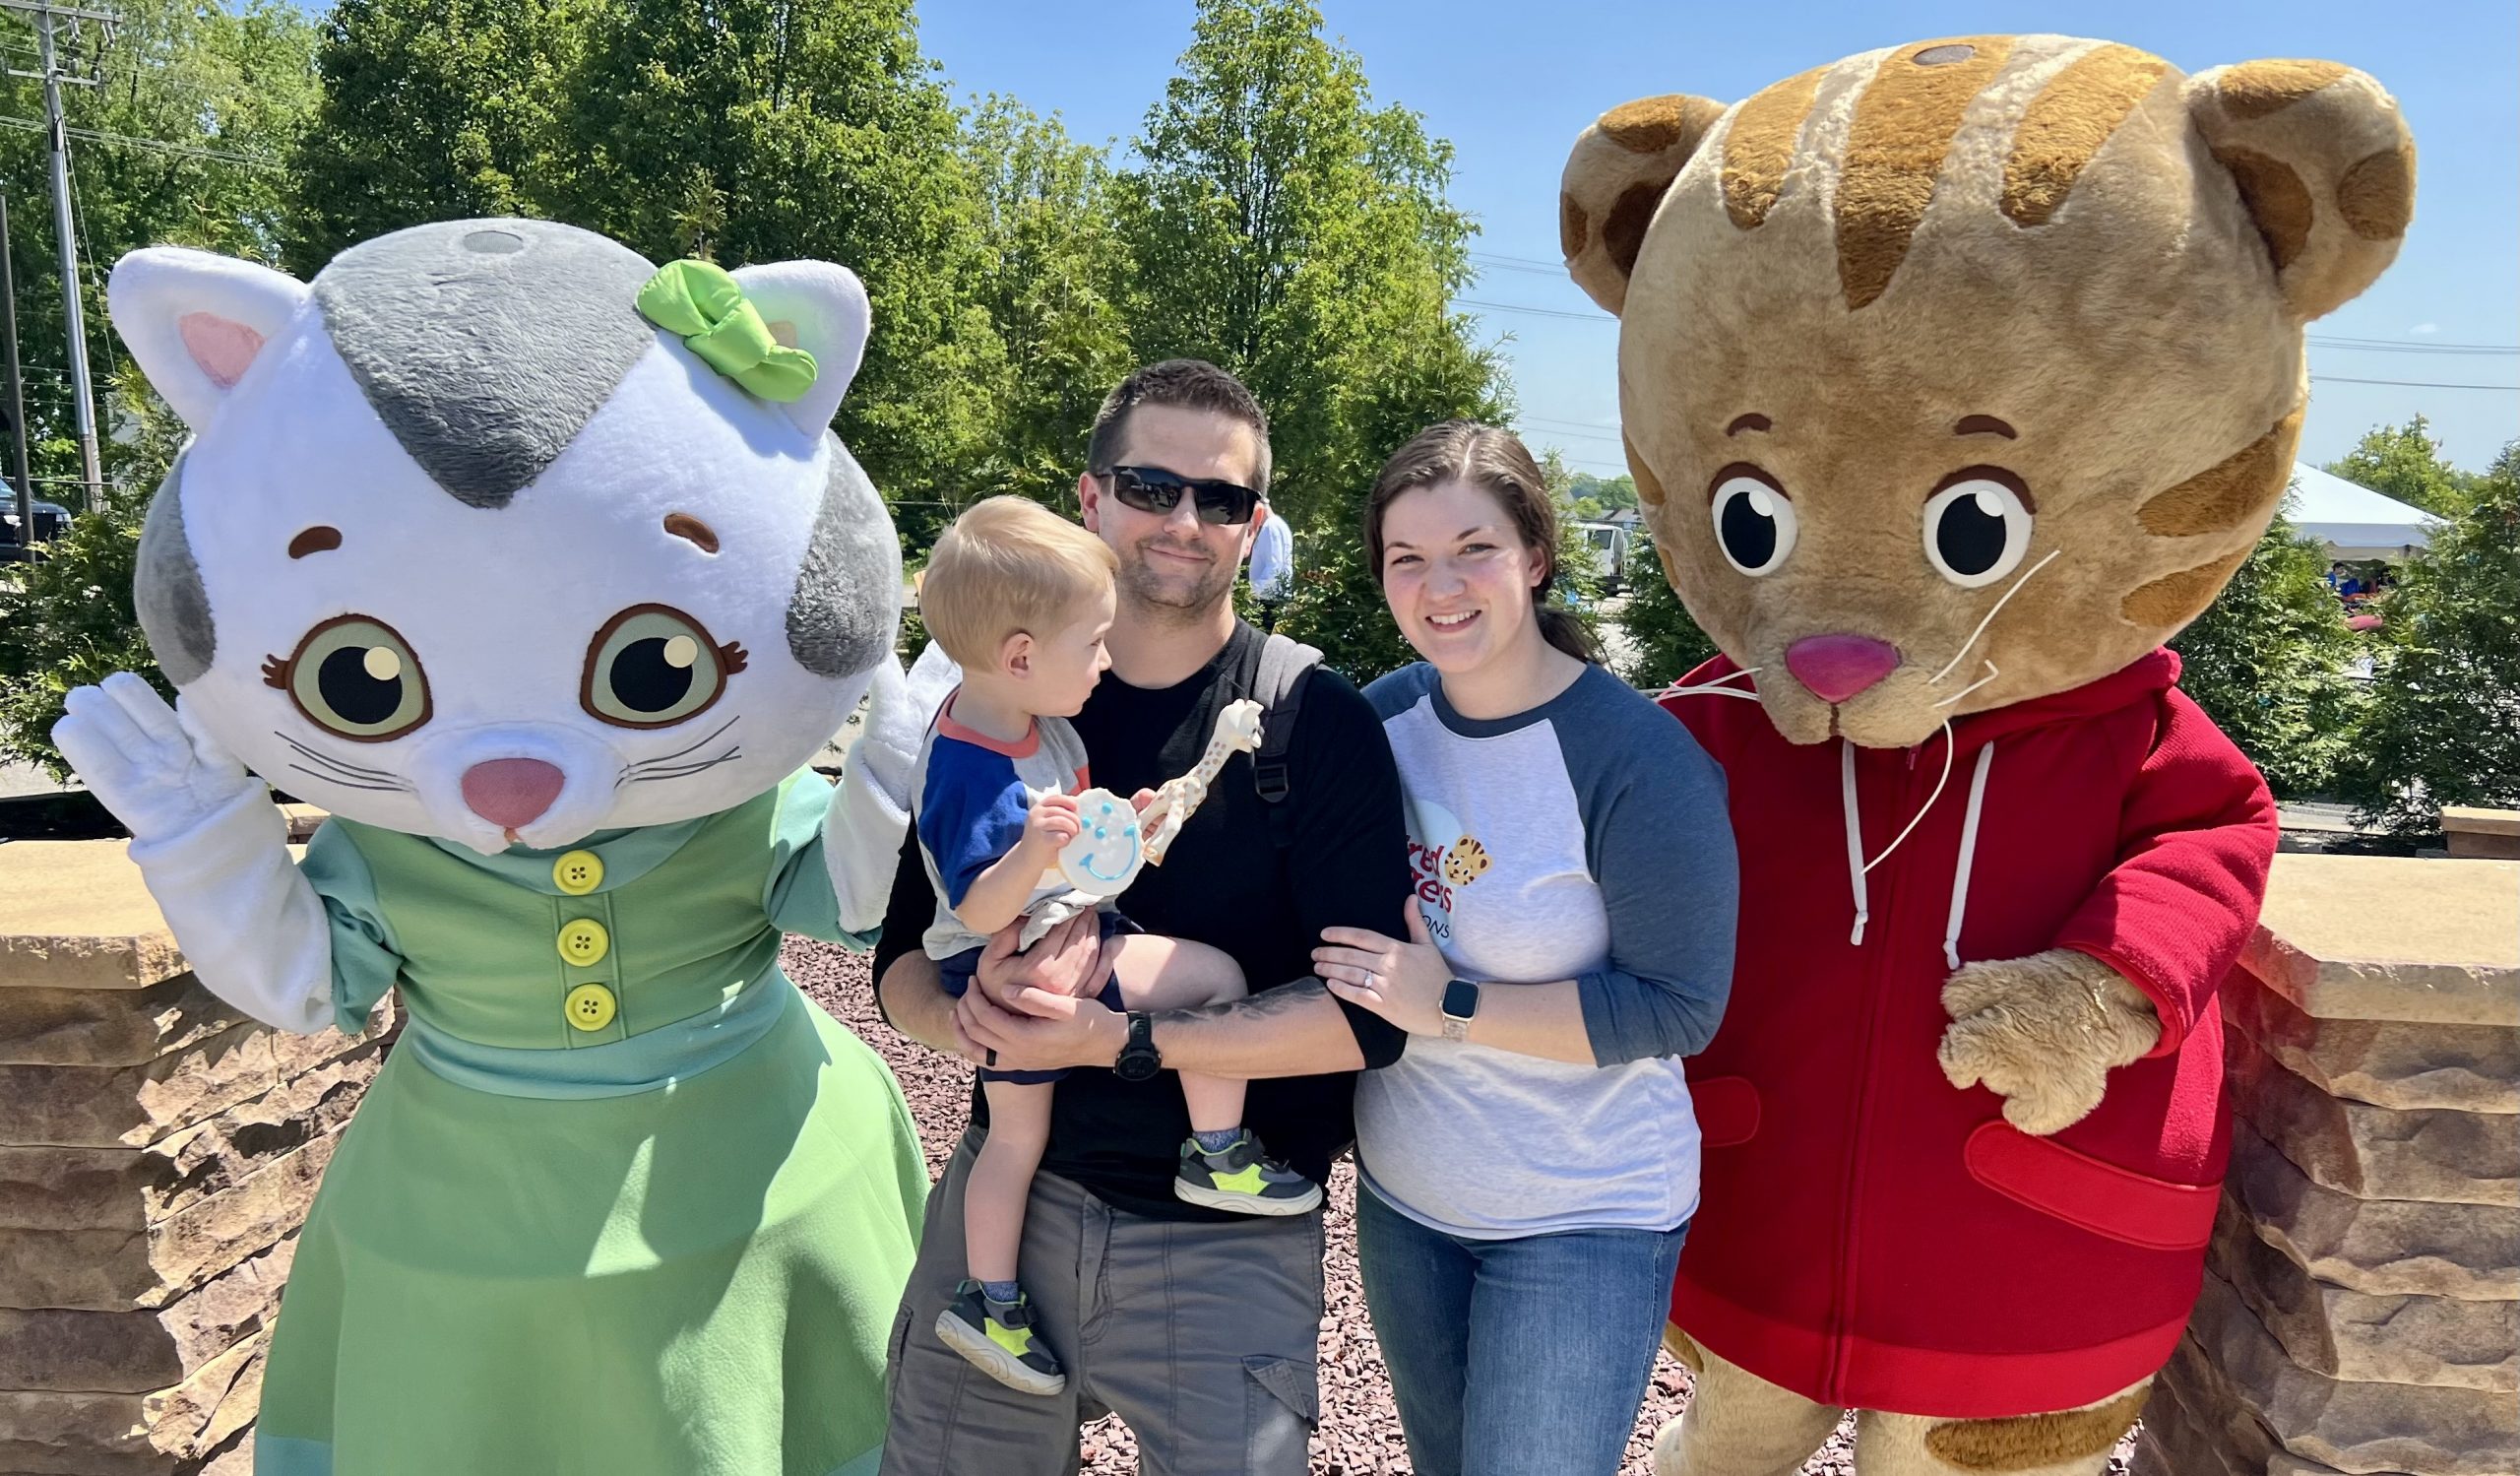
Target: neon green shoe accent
x: 1246, y: 1180
x: 1015, y: 1340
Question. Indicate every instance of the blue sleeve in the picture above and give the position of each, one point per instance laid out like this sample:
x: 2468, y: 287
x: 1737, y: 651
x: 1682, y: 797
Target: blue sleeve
x: 971, y: 813
x: 1395, y: 692
x: 367, y: 958
x: 1658, y: 838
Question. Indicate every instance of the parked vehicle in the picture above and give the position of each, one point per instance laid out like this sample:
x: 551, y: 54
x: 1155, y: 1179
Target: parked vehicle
x: 1610, y: 544
x: 50, y: 517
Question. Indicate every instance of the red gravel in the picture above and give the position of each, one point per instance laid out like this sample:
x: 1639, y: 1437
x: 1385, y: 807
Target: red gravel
x: 1360, y: 1433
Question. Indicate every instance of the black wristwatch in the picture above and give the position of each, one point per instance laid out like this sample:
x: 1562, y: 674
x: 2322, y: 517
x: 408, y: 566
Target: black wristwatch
x: 1139, y: 1061
x: 1461, y: 1005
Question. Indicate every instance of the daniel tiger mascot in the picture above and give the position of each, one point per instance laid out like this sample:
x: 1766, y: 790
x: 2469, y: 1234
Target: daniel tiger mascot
x: 1956, y: 378
x: 539, y: 569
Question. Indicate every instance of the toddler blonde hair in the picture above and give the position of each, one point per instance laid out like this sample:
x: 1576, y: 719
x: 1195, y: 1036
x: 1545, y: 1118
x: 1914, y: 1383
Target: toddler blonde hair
x: 1008, y: 565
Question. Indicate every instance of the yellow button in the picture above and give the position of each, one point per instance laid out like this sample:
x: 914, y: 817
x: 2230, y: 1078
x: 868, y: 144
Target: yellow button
x: 589, y: 1006
x: 584, y: 942
x: 578, y: 873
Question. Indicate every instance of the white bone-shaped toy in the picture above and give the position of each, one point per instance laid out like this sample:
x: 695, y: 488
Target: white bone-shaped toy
x: 1116, y: 840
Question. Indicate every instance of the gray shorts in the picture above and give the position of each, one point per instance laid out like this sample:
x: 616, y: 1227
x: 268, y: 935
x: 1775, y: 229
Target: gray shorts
x: 1204, y: 1337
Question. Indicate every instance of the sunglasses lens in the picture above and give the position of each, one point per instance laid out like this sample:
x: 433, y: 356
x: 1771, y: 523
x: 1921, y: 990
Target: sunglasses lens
x: 1159, y: 491
x: 1144, y: 494
x: 1224, y: 505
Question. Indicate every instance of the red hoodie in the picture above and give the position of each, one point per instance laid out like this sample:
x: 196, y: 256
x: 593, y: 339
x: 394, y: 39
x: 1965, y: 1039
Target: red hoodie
x: 1871, y: 1236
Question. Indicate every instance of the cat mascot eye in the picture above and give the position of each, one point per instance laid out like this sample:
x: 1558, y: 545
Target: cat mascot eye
x: 652, y: 666
x: 1976, y: 527
x: 1754, y: 522
x: 355, y: 677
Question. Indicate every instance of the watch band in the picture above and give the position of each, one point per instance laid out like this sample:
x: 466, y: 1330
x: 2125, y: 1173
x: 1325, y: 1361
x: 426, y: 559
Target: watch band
x: 1138, y: 1060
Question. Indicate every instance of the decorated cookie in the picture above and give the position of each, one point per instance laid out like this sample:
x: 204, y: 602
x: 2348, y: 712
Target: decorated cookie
x: 1106, y: 853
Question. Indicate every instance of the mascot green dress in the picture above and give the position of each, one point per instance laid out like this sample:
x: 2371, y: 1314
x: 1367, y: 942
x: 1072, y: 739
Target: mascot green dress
x: 539, y: 569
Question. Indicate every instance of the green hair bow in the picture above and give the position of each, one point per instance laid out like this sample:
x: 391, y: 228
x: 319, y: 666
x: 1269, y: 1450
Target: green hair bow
x: 699, y: 300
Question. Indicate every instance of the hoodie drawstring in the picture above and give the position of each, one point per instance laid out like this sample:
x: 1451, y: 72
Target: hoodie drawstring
x: 1858, y: 867
x: 1855, y: 841
x: 1967, y: 855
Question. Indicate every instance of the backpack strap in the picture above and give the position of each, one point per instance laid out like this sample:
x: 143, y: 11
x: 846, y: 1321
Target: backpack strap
x: 1277, y: 686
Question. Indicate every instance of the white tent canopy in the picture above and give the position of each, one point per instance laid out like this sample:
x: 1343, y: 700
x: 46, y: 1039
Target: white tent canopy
x: 2353, y: 521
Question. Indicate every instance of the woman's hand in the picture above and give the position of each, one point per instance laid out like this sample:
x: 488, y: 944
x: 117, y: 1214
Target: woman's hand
x: 1402, y: 982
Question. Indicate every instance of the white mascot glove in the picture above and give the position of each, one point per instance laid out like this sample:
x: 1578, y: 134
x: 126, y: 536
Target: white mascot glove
x: 862, y: 834
x: 160, y: 777
x: 213, y: 848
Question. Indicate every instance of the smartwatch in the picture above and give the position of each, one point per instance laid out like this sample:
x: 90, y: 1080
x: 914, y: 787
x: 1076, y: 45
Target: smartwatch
x: 1139, y: 1061
x: 1460, y: 1004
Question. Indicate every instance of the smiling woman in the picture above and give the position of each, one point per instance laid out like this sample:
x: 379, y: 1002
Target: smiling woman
x: 1533, y: 1152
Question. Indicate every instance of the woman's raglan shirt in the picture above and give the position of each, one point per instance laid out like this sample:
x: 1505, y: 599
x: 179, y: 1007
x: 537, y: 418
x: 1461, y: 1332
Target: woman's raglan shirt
x: 1587, y: 840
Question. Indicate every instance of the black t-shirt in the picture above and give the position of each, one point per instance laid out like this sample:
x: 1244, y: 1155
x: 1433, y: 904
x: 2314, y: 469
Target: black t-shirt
x: 1225, y: 883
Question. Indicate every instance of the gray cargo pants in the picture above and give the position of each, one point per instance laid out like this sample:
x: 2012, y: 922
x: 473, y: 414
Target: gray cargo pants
x: 1204, y: 1337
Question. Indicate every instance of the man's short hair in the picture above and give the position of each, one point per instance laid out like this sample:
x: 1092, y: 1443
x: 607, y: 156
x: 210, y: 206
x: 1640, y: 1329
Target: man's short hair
x: 1008, y: 565
x: 1182, y: 384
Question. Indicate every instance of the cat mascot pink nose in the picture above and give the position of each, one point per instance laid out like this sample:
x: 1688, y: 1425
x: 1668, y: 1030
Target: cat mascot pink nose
x: 511, y: 793
x: 1837, y: 666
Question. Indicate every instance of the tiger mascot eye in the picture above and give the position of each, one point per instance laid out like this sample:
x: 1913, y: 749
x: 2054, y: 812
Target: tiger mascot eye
x: 1956, y: 378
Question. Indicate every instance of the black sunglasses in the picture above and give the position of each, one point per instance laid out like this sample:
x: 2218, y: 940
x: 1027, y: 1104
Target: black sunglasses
x: 1159, y: 491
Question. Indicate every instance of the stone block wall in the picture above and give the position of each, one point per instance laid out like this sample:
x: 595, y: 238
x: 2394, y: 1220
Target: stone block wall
x: 2362, y: 1302
x: 158, y: 1152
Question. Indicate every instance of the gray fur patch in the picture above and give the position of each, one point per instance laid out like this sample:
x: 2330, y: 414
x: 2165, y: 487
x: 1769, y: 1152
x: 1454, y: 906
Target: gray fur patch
x: 848, y: 603
x: 485, y: 345
x: 165, y: 586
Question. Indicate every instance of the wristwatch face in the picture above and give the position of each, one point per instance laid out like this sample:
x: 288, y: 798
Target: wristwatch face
x: 1138, y: 1060
x: 1461, y: 999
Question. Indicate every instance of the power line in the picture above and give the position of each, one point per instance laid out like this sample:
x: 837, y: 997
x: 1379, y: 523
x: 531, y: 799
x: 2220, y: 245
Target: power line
x: 2418, y: 384
x: 2388, y: 345
x: 156, y: 146
x: 2413, y: 384
x: 1537, y: 267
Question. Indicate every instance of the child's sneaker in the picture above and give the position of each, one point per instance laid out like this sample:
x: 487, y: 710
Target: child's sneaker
x: 1000, y: 1340
x: 1242, y: 1177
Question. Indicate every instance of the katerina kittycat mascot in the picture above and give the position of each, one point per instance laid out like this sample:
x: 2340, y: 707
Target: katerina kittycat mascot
x: 539, y: 569
x: 1956, y: 378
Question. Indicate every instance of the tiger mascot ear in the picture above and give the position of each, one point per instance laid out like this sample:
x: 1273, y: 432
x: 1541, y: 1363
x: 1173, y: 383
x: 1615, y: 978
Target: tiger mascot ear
x: 1617, y: 173
x: 2323, y: 161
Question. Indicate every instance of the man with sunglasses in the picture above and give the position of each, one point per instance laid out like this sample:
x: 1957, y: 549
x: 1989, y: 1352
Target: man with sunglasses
x: 1199, y: 1328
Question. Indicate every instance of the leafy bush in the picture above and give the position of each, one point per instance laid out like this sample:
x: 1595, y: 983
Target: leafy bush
x: 2443, y: 724
x: 1664, y: 642
x: 65, y: 621
x: 2267, y: 662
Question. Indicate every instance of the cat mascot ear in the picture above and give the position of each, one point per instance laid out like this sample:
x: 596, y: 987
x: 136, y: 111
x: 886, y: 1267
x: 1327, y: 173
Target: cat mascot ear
x: 821, y: 308
x: 197, y: 321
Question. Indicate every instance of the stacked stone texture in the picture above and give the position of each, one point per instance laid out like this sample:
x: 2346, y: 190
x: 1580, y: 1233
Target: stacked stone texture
x: 2361, y: 1309
x: 158, y: 1152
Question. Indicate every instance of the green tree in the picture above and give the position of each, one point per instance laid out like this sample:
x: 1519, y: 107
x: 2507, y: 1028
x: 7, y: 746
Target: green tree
x: 1051, y: 275
x: 1285, y: 226
x: 181, y: 142
x: 2444, y: 724
x: 1664, y: 643
x: 2267, y: 662
x: 431, y: 111
x: 2405, y: 462
x: 761, y: 130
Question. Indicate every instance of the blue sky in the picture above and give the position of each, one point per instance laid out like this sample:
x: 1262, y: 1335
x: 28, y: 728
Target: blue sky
x: 1512, y: 84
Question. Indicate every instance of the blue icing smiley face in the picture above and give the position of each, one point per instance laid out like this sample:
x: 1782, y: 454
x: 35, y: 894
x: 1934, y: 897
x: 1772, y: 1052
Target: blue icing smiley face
x: 1107, y: 853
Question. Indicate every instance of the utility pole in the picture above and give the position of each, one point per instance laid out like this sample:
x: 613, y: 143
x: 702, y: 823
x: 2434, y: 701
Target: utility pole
x: 17, y: 384
x: 82, y: 399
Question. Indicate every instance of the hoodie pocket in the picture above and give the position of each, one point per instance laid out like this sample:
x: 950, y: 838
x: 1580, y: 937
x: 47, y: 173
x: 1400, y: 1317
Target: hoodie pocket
x: 1727, y: 1110
x: 2134, y: 1209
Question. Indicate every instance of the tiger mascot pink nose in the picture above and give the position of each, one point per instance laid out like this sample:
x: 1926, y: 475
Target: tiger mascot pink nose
x: 511, y: 793
x: 1838, y: 666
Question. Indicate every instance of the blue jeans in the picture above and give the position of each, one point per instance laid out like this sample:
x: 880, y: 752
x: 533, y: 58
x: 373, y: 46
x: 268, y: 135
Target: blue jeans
x: 1515, y: 1355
